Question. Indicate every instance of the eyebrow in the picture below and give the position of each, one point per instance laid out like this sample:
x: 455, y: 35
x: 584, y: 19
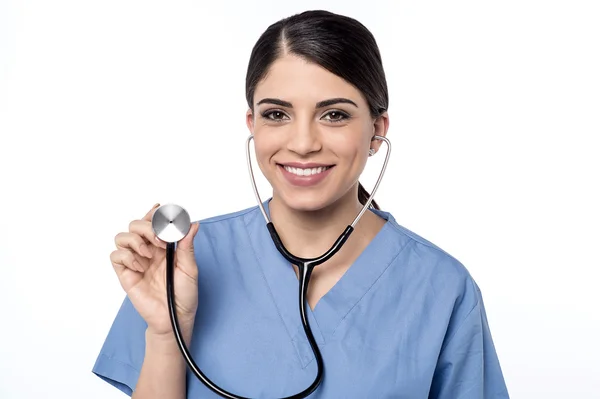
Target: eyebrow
x: 332, y: 101
x: 320, y: 104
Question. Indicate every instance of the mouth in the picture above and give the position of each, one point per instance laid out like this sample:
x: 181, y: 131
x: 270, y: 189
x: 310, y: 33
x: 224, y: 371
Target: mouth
x: 304, y: 175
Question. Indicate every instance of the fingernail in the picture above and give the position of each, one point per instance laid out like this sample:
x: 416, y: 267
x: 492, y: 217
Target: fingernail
x: 156, y: 205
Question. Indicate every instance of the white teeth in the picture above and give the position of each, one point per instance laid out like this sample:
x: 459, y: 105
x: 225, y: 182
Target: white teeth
x: 306, y: 172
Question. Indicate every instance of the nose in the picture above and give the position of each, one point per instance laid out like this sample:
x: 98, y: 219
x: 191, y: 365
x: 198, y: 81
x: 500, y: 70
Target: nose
x: 304, y: 138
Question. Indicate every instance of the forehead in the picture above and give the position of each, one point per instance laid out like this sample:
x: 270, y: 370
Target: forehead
x: 294, y: 79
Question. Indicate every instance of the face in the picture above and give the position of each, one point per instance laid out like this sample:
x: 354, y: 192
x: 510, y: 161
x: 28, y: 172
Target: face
x: 312, y: 134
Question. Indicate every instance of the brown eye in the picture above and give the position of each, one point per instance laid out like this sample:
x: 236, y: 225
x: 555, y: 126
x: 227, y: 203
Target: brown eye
x: 274, y: 115
x: 335, y: 116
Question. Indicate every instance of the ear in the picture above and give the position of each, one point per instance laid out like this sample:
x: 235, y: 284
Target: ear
x: 380, y: 128
x: 250, y: 121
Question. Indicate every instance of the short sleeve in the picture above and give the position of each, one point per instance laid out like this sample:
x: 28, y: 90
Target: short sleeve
x: 468, y: 366
x: 122, y: 354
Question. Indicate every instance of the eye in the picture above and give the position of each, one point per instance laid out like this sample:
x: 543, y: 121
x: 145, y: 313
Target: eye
x: 274, y: 115
x: 335, y: 116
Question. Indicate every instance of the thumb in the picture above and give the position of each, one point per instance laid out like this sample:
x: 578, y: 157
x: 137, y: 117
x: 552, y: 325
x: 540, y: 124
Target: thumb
x: 185, y: 250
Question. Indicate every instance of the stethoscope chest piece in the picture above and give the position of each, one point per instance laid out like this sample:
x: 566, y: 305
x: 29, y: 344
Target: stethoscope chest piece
x: 171, y: 223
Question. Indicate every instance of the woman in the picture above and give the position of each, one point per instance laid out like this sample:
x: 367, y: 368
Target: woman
x: 393, y: 315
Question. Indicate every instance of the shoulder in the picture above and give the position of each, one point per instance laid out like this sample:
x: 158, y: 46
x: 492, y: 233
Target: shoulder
x: 241, y: 215
x: 433, y: 257
x: 438, y: 272
x: 222, y: 235
x: 230, y: 224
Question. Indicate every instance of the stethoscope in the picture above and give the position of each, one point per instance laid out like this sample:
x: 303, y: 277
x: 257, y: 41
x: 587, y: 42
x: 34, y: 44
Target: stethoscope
x: 171, y: 223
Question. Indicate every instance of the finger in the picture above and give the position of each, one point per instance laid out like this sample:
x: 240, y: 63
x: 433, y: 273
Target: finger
x: 187, y: 242
x: 123, y: 258
x: 159, y: 242
x: 134, y: 242
x: 186, y: 259
x: 144, y: 229
x: 150, y: 213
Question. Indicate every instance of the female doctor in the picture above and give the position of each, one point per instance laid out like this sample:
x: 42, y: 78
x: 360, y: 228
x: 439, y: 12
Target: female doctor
x: 393, y: 315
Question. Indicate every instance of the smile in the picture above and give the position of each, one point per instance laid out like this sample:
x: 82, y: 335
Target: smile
x: 305, y: 175
x: 307, y: 171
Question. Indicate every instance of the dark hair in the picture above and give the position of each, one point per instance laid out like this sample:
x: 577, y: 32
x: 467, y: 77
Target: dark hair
x: 338, y: 43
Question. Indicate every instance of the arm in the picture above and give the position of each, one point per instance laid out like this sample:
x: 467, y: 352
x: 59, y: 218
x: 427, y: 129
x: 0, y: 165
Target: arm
x: 163, y: 373
x: 468, y: 366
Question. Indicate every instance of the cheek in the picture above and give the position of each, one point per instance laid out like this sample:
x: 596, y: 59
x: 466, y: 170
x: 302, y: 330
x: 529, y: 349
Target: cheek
x: 353, y: 147
x: 264, y: 148
x: 354, y: 151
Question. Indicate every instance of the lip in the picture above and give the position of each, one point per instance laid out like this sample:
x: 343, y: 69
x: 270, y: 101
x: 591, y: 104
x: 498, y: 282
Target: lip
x: 304, y: 165
x: 304, y: 181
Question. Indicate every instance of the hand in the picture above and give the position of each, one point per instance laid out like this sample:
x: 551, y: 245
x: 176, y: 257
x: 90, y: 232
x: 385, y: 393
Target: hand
x: 140, y: 264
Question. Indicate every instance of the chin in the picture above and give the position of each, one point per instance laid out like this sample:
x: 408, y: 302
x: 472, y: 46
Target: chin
x: 305, y: 202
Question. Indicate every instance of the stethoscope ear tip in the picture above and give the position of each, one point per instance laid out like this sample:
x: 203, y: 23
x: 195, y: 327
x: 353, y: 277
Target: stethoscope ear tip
x: 171, y: 223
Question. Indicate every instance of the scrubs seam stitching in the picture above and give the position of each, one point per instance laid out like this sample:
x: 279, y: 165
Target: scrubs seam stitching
x: 120, y: 362
x: 240, y: 214
x: 269, y: 288
x: 462, y: 323
x: 369, y: 289
x: 312, y: 357
x: 411, y: 236
x: 319, y: 326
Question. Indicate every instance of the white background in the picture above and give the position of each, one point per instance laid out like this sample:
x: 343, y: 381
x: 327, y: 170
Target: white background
x: 495, y: 117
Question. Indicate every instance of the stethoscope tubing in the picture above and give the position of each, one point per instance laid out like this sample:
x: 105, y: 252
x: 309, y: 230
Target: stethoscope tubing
x: 304, y: 277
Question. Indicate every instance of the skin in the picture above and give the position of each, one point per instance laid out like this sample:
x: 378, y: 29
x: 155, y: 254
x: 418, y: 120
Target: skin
x: 309, y: 219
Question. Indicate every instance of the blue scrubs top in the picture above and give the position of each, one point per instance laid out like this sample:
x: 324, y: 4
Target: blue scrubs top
x: 405, y: 321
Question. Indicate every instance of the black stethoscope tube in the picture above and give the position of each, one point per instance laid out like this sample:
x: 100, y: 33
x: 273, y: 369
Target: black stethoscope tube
x: 305, y: 268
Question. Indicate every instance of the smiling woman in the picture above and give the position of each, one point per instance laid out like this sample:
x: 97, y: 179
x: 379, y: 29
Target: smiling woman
x: 392, y: 314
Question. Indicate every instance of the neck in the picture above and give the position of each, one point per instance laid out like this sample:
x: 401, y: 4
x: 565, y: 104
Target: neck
x: 309, y: 234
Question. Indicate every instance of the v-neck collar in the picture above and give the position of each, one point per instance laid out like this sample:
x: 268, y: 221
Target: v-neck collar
x: 335, y: 305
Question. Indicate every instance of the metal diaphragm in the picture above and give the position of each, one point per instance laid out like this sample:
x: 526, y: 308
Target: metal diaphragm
x: 171, y: 223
